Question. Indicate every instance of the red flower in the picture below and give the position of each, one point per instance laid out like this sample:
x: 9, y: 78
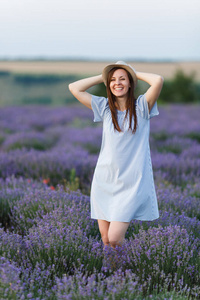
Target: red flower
x: 46, y: 181
x: 52, y: 187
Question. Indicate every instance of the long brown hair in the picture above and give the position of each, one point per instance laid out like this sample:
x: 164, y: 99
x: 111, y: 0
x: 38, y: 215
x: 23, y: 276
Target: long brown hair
x: 130, y: 103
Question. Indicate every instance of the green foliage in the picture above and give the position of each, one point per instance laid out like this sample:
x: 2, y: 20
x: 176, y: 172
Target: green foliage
x: 6, y: 291
x: 40, y: 100
x: 2, y: 138
x: 194, y: 136
x: 82, y: 123
x: 73, y: 183
x: 4, y: 73
x: 50, y: 89
x: 42, y: 78
x: 181, y: 89
x: 92, y: 149
x: 100, y: 90
x: 176, y: 149
x: 32, y: 143
x: 160, y: 136
x: 69, y: 100
x: 5, y: 210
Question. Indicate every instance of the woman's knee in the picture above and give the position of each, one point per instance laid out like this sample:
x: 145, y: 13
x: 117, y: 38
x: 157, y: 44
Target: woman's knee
x: 115, y: 240
x: 116, y: 233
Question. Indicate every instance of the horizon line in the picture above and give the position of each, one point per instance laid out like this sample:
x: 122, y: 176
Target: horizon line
x: 88, y: 59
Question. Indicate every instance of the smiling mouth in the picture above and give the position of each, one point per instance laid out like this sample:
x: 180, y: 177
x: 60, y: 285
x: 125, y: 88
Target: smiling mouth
x: 118, y: 89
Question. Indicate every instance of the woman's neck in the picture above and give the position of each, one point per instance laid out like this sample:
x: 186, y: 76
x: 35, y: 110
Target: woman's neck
x: 120, y: 103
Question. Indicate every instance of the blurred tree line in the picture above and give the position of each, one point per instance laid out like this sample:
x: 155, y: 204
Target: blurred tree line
x: 181, y: 88
x: 45, y: 89
x: 52, y: 89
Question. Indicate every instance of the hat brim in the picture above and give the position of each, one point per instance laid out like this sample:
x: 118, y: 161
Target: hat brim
x: 128, y: 68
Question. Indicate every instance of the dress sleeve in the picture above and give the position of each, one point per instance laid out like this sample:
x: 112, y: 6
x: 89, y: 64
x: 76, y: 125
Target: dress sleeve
x: 99, y: 105
x: 143, y: 108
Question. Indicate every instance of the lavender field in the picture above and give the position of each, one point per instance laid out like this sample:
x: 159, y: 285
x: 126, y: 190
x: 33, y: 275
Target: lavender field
x: 49, y: 246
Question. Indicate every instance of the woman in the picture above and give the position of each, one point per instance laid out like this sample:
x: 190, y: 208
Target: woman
x: 123, y: 185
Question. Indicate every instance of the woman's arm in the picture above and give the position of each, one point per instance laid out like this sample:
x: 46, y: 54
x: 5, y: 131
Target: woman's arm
x: 156, y: 83
x: 78, y: 89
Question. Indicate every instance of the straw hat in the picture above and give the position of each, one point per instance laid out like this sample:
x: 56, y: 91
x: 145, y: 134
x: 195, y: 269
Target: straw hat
x: 120, y: 64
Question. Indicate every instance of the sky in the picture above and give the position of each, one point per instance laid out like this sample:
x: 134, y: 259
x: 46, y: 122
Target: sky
x: 100, y: 30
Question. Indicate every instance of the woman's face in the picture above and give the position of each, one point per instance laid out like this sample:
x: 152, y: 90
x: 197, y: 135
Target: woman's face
x: 119, y: 83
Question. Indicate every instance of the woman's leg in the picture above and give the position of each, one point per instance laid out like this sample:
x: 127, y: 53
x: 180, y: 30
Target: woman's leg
x: 103, y: 228
x: 112, y: 233
x: 116, y: 232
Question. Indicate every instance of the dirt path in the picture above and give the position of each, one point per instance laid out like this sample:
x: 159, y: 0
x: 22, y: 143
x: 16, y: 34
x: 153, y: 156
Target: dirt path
x: 165, y: 69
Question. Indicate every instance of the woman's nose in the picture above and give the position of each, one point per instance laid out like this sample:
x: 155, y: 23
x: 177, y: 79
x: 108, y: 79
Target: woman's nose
x: 117, y: 81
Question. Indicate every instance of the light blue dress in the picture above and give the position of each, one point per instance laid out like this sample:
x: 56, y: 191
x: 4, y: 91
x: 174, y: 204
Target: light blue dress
x: 123, y: 188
